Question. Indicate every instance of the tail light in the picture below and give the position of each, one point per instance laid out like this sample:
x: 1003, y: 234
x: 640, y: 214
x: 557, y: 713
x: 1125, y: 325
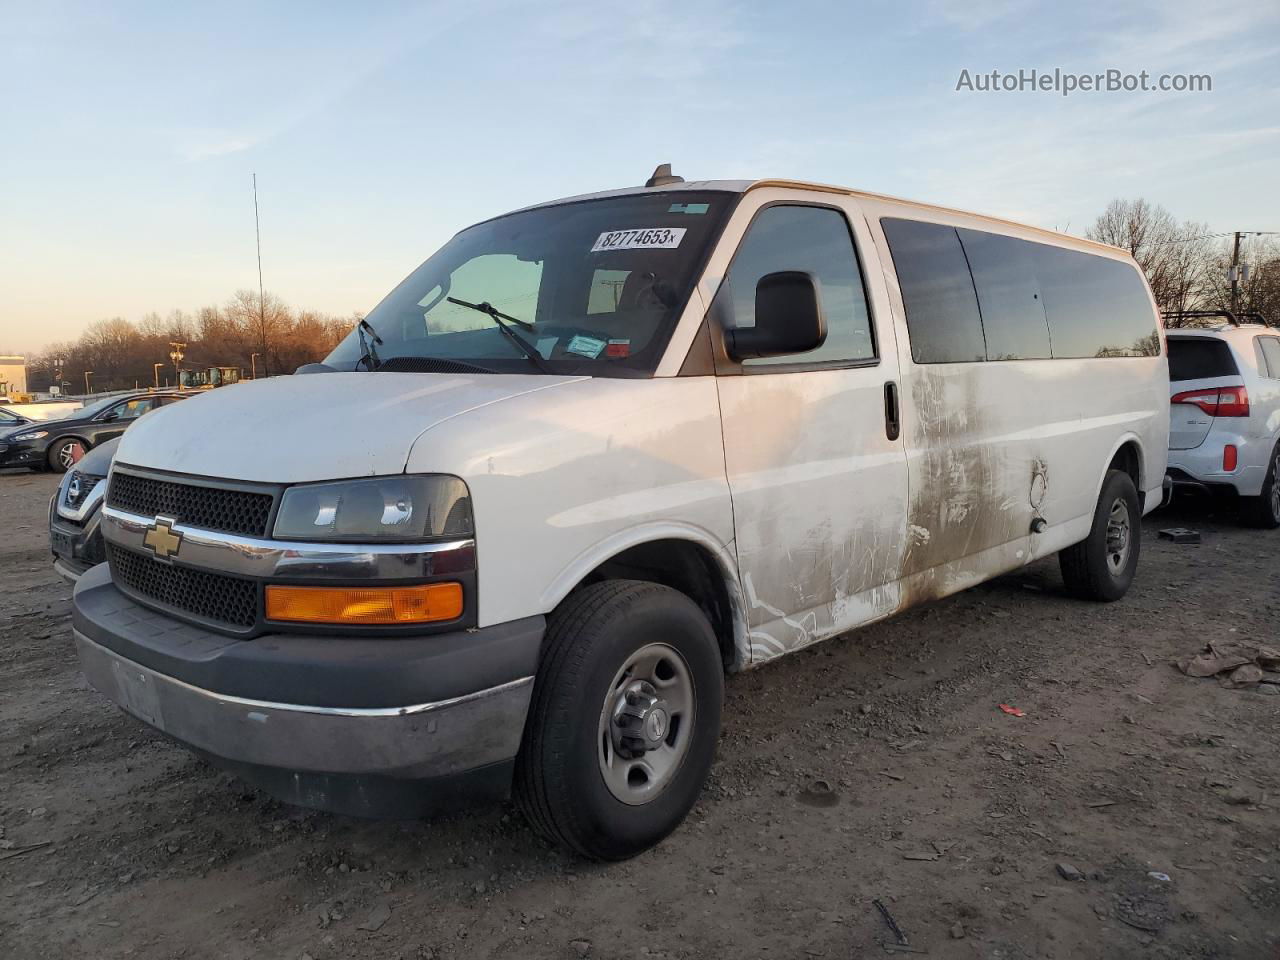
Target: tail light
x: 1217, y: 401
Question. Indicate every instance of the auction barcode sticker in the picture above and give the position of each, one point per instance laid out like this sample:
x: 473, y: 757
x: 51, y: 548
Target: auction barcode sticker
x: 642, y: 238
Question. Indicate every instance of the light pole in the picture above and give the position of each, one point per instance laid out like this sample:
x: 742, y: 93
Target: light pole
x: 155, y: 368
x: 87, y: 375
x: 253, y: 364
x: 176, y: 355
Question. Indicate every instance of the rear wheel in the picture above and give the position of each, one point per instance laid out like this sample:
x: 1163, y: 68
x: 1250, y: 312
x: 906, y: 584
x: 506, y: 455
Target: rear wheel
x: 1102, y: 566
x: 65, y: 454
x: 624, y: 721
x: 1264, y: 510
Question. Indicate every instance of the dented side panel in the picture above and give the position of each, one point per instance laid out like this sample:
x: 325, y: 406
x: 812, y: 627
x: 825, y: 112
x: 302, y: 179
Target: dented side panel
x: 992, y: 447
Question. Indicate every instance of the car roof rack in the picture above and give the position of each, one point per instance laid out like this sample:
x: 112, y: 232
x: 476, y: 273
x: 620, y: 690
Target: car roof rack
x: 1178, y: 318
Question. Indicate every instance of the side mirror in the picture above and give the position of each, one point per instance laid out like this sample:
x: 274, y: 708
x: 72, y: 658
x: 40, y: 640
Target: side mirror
x: 108, y: 416
x: 789, y: 318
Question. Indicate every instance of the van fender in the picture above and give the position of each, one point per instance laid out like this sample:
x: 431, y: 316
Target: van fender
x: 726, y: 564
x: 1128, y: 437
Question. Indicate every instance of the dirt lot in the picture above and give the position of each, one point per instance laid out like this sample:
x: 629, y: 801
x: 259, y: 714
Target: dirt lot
x: 949, y: 812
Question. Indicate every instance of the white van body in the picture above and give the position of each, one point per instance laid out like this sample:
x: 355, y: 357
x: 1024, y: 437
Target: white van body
x: 810, y: 513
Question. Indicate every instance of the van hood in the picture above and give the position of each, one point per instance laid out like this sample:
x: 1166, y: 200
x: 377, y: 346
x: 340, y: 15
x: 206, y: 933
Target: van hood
x: 315, y: 426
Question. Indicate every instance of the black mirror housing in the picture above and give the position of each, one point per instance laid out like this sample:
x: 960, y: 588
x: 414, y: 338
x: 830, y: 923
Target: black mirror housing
x: 789, y: 318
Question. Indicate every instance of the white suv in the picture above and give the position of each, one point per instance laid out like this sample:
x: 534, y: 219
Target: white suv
x: 1225, y: 415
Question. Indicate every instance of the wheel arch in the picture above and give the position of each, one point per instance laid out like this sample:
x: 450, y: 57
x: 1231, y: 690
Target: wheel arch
x: 1128, y: 456
x: 681, y: 556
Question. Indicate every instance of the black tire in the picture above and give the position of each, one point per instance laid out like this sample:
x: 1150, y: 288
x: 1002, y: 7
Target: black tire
x: 560, y: 782
x: 60, y: 450
x: 1093, y: 569
x: 1263, y: 511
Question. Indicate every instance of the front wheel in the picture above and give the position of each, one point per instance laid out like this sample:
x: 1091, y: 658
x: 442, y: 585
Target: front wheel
x: 1264, y: 510
x: 624, y: 721
x: 65, y: 454
x: 1102, y: 566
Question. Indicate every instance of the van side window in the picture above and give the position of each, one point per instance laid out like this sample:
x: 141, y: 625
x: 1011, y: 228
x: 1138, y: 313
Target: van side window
x: 817, y: 240
x: 1004, y: 275
x: 1271, y: 351
x: 937, y: 290
x: 1097, y: 307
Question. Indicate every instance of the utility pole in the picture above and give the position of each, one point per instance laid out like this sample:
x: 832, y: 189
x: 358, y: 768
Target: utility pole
x: 176, y: 355
x: 87, y: 375
x: 1235, y: 275
x: 155, y: 368
x: 257, y: 235
x: 253, y: 364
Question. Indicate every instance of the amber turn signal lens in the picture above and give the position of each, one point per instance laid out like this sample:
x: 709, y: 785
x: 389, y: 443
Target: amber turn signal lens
x: 365, y: 605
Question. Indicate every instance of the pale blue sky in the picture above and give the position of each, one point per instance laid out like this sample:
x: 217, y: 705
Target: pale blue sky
x: 130, y: 130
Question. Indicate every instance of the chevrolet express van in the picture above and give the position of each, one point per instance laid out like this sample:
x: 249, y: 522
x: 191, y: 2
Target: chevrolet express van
x: 593, y: 454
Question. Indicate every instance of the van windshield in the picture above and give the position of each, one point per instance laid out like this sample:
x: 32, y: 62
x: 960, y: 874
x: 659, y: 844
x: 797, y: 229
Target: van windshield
x: 592, y: 287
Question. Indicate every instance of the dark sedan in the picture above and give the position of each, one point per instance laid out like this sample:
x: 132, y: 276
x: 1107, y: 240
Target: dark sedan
x: 59, y: 444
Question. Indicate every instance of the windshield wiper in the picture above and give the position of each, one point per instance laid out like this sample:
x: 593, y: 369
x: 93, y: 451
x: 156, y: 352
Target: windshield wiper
x: 501, y: 319
x: 368, y: 355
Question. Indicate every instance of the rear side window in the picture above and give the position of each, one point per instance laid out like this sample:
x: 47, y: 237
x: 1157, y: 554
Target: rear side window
x: 1004, y: 275
x: 1097, y: 307
x: 1199, y: 358
x: 1271, y: 352
x: 937, y: 291
x: 816, y: 240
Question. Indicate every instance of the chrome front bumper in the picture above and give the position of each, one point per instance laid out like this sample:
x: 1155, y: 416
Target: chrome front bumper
x: 416, y: 741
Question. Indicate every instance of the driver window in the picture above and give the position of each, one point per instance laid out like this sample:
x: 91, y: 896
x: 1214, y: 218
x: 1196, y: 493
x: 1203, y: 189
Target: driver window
x: 816, y: 240
x: 133, y: 408
x: 501, y: 279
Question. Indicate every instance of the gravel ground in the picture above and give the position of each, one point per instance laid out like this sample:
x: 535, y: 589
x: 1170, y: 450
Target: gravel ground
x: 950, y: 813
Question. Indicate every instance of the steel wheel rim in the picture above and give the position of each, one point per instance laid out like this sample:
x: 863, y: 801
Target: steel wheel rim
x: 70, y: 455
x: 655, y: 672
x: 1119, y: 536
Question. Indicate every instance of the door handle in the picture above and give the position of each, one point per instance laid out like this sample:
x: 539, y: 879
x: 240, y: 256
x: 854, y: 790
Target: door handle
x: 892, y: 414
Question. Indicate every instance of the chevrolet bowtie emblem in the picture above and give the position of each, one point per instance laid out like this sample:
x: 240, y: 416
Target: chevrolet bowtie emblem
x: 162, y: 539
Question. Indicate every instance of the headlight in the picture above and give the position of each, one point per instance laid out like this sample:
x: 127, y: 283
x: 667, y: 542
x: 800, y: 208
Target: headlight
x: 31, y: 436
x: 377, y: 508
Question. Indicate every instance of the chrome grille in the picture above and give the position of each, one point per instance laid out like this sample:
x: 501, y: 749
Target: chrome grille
x: 210, y: 596
x: 82, y: 484
x: 225, y: 509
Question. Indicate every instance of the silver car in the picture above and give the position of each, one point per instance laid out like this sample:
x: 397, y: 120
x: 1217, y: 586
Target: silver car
x: 74, y: 511
x: 1224, y: 428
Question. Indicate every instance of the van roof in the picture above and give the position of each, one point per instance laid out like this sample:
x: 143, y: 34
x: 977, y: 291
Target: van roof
x: 743, y: 186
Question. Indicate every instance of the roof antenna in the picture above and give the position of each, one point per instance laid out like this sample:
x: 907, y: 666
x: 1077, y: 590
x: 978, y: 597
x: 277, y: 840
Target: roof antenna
x: 662, y: 176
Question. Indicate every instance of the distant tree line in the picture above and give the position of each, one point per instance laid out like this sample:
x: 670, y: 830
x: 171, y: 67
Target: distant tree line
x: 1186, y: 263
x: 121, y: 354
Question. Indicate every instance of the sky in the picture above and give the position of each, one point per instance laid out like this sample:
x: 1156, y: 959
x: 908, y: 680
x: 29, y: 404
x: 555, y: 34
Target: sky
x: 129, y: 132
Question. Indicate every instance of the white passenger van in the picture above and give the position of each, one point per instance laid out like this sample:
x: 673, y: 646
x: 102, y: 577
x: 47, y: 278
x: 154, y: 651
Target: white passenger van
x: 593, y: 454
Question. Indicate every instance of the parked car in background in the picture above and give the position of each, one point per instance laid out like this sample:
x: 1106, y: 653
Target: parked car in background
x: 593, y: 453
x: 59, y: 444
x: 1224, y: 427
x: 75, y: 534
x: 10, y: 418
